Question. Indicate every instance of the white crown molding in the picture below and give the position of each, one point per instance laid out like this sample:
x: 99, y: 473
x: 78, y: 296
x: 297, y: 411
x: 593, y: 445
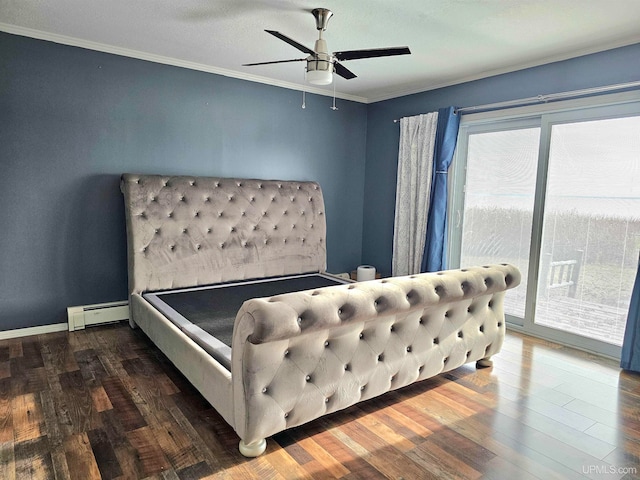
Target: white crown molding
x: 408, y: 90
x: 150, y: 57
x: 411, y: 90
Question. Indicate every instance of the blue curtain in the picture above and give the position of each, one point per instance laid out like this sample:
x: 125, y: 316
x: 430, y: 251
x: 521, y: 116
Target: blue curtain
x: 630, y: 359
x: 435, y: 250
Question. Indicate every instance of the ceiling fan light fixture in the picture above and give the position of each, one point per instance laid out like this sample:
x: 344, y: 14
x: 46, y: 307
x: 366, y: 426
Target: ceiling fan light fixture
x: 319, y: 70
x: 319, y: 77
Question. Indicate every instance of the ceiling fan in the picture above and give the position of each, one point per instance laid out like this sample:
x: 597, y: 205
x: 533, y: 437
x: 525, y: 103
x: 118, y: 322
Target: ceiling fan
x: 320, y: 63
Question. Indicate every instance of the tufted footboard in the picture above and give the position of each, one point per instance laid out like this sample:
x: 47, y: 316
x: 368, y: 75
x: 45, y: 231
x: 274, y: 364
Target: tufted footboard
x: 298, y: 356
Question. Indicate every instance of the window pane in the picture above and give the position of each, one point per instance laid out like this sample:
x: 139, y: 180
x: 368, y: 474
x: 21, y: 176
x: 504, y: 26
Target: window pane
x: 498, y: 210
x: 591, y: 228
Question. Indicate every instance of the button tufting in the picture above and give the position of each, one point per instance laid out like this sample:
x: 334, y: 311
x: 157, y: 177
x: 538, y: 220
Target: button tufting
x: 264, y: 390
x: 409, y: 348
x: 460, y: 335
x: 481, y: 328
x: 361, y: 335
x: 436, y: 341
x: 326, y: 344
x: 308, y: 378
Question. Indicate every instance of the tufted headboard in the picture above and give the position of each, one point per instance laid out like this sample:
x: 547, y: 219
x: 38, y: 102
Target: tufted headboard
x: 187, y: 231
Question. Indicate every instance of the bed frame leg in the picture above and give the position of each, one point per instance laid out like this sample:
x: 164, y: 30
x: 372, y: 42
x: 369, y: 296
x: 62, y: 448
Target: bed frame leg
x: 484, y: 362
x: 132, y: 324
x: 253, y: 449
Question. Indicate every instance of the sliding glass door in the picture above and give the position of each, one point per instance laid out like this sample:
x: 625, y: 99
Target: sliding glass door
x: 591, y: 227
x: 558, y: 195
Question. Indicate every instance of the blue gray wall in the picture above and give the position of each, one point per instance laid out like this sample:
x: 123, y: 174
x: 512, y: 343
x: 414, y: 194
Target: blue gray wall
x: 72, y: 120
x: 611, y: 67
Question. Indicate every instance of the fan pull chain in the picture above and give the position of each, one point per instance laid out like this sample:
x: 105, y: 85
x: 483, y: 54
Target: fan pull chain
x: 304, y: 79
x: 333, y: 107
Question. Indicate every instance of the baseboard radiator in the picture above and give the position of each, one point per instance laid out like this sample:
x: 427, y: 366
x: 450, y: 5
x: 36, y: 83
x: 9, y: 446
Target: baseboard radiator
x: 97, y: 314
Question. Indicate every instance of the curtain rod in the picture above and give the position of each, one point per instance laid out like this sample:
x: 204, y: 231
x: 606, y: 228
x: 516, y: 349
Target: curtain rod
x: 551, y: 97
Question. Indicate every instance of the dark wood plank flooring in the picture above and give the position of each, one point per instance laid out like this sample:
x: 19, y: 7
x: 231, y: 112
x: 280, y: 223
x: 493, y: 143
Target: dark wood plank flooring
x: 105, y: 403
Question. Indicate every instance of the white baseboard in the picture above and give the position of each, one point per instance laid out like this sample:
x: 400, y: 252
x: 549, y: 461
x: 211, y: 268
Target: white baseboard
x: 26, y: 332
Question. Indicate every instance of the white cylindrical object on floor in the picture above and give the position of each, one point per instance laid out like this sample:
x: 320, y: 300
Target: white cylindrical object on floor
x: 366, y: 272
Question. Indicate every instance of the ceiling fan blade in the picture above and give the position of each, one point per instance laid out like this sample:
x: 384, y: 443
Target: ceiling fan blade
x: 343, y: 71
x: 371, y: 53
x: 275, y: 61
x: 291, y: 42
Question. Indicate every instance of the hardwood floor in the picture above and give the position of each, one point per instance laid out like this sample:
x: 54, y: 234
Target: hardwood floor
x: 105, y: 403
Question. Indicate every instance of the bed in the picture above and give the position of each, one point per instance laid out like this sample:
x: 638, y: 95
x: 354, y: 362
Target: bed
x: 228, y: 278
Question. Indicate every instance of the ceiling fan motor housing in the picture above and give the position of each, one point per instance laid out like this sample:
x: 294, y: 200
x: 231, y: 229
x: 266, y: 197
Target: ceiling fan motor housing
x: 320, y: 65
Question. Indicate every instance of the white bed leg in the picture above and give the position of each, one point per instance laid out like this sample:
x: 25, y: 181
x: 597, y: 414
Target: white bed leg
x: 253, y: 449
x: 484, y: 362
x: 132, y: 324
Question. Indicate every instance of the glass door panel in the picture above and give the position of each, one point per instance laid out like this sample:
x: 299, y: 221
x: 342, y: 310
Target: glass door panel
x: 591, y: 228
x: 498, y: 204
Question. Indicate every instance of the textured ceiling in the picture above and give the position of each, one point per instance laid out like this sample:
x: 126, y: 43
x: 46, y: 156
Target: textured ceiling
x: 451, y: 40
